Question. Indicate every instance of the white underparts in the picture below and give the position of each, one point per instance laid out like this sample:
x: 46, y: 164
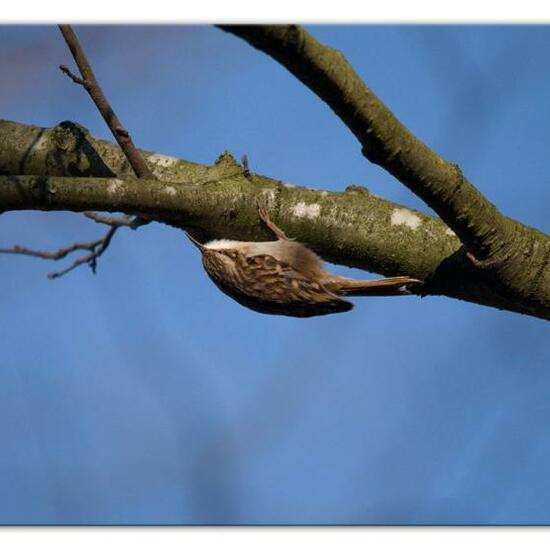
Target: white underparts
x: 223, y: 244
x: 250, y: 248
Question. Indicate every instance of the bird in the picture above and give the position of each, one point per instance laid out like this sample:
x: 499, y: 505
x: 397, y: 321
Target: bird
x: 285, y: 277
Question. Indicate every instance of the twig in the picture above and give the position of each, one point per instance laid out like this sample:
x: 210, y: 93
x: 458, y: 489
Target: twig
x: 246, y: 169
x: 96, y: 248
x: 137, y: 162
x: 91, y: 258
x: 73, y: 77
x: 91, y: 85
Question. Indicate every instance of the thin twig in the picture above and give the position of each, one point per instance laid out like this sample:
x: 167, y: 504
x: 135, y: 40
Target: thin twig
x: 91, y: 258
x: 137, y: 162
x: 91, y: 85
x: 246, y: 169
x: 96, y: 248
x: 121, y: 135
x: 73, y: 77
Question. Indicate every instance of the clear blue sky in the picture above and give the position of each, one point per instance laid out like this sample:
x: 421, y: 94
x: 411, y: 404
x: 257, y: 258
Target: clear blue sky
x: 144, y: 395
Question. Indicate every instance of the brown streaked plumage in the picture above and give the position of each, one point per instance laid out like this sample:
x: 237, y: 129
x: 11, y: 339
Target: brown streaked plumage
x: 284, y: 277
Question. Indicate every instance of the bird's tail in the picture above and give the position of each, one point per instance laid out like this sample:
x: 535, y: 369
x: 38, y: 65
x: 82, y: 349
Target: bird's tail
x: 392, y: 286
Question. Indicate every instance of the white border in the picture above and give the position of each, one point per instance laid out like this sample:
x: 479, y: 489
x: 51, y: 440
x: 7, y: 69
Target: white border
x: 253, y: 538
x: 248, y: 11
x: 344, y: 11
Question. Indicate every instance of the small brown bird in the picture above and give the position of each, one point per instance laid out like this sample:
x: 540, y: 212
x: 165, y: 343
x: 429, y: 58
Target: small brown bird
x: 284, y: 277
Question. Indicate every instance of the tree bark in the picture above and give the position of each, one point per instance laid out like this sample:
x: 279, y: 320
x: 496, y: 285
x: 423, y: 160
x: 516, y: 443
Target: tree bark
x: 65, y: 168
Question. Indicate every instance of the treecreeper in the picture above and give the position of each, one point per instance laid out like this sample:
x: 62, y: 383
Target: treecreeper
x: 285, y: 277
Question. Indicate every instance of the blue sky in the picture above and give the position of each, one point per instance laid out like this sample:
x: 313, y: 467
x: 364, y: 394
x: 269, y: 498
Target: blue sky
x: 144, y: 395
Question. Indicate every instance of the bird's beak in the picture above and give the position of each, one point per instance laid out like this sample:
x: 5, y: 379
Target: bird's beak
x: 195, y: 242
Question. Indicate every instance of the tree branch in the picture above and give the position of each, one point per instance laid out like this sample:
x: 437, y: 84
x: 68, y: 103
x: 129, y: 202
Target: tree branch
x: 137, y: 162
x: 90, y: 83
x: 498, y: 247
x: 353, y: 228
x: 96, y: 248
x: 385, y: 140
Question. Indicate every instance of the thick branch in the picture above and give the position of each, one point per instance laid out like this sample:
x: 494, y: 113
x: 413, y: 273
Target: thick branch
x: 385, y: 140
x: 352, y: 228
x: 344, y: 227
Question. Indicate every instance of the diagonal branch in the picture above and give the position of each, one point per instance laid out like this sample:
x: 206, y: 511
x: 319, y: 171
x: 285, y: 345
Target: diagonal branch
x: 91, y: 85
x: 385, y: 140
x: 121, y: 135
x: 137, y: 162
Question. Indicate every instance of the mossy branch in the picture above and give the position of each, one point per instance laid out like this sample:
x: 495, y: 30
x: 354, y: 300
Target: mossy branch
x: 384, y: 139
x: 74, y: 171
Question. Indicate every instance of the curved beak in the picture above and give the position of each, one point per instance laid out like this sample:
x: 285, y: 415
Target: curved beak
x: 195, y: 242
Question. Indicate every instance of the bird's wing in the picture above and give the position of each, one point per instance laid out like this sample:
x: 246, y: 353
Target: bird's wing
x: 267, y: 285
x: 267, y: 276
x: 276, y: 288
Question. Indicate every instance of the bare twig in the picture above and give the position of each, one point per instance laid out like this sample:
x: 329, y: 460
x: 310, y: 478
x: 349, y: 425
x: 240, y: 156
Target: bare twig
x: 91, y: 85
x: 73, y: 77
x: 121, y: 135
x: 91, y: 258
x: 96, y: 248
x: 137, y: 162
x: 246, y: 168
